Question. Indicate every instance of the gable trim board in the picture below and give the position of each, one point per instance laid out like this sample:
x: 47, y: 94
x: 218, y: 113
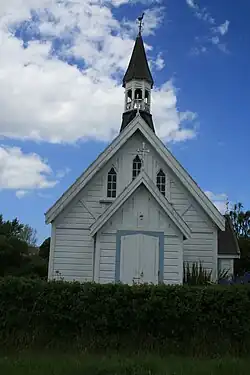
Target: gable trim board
x: 173, y: 164
x: 142, y: 178
x: 121, y: 233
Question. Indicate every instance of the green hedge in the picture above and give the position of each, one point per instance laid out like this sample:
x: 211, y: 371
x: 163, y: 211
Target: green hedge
x: 170, y: 318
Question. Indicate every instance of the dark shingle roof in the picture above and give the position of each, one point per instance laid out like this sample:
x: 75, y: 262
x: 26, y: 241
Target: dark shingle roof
x: 138, y: 66
x: 127, y: 117
x: 227, y: 241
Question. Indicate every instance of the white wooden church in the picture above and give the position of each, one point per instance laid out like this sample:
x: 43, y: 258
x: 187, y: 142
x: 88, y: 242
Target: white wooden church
x: 136, y: 215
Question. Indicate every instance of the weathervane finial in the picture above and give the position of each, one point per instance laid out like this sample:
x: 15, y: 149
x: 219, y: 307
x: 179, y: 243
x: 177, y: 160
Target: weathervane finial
x: 140, y: 19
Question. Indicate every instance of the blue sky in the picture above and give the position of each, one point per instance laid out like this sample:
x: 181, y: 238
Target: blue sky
x: 61, y: 99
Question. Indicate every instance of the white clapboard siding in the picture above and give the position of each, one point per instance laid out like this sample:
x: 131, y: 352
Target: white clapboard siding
x: 107, y: 257
x: 73, y: 254
x: 172, y: 259
x: 76, y: 216
x: 178, y: 197
x: 73, y: 260
x: 202, y: 246
x: 201, y: 250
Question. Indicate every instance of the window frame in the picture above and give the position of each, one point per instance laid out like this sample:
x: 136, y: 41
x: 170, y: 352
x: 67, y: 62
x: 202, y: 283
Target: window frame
x: 161, y: 181
x: 136, y: 167
x: 111, y: 186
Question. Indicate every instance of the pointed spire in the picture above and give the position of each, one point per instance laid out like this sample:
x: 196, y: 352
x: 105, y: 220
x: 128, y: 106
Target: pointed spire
x: 138, y: 83
x: 138, y: 66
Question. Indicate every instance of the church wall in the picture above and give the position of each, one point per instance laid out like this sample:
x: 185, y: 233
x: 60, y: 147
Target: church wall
x: 202, y: 246
x: 73, y: 255
x: 73, y: 245
x: 72, y: 225
x: 154, y: 219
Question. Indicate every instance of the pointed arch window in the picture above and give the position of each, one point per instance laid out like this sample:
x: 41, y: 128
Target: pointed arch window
x: 161, y: 181
x: 112, y: 183
x: 136, y: 166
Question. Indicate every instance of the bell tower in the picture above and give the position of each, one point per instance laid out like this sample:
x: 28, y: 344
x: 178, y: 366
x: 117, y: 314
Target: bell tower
x: 138, y: 83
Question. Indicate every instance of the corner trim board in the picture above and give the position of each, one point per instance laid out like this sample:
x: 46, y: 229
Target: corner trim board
x: 96, y: 264
x: 52, y: 251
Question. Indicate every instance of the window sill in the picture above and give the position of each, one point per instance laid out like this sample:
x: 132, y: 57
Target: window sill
x: 107, y: 200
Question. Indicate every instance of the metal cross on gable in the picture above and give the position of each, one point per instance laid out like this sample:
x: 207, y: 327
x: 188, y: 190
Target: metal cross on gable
x: 143, y: 152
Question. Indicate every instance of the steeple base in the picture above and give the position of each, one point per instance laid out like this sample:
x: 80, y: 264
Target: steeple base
x: 127, y: 117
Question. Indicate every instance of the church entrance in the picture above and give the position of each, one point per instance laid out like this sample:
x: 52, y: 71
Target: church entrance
x: 139, y: 258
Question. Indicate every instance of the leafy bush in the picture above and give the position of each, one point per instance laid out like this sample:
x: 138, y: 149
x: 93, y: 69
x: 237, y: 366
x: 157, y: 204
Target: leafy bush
x: 196, y: 274
x: 173, y: 318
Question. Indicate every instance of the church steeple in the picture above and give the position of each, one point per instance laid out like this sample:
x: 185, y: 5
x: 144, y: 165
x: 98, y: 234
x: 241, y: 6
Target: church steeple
x: 138, y: 68
x: 138, y: 83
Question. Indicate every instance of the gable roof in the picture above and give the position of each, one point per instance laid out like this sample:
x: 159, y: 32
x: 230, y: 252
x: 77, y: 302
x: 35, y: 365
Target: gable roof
x: 137, y: 124
x: 227, y: 240
x: 144, y: 179
x: 138, y: 66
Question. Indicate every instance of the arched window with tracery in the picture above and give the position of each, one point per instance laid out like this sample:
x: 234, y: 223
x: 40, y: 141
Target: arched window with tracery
x: 161, y: 181
x: 136, y: 166
x: 112, y: 183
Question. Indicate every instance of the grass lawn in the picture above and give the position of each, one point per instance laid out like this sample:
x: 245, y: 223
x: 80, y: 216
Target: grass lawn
x: 56, y: 364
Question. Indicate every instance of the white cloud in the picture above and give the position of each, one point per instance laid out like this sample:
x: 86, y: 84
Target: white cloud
x: 23, y: 172
x: 159, y: 62
x: 168, y: 120
x: 191, y: 3
x: 223, y: 28
x: 153, y: 18
x: 62, y: 173
x: 215, y: 39
x: 21, y: 193
x: 218, y: 31
x: 200, y: 13
x: 220, y: 201
x: 118, y: 3
x: 45, y: 98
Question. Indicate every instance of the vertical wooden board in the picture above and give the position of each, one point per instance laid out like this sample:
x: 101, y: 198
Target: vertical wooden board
x: 129, y: 259
x: 149, y: 258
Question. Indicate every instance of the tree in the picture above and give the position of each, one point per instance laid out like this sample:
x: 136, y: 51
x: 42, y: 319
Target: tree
x: 29, y: 235
x: 44, y: 249
x: 240, y: 221
x: 10, y: 228
x: 13, y: 253
x: 241, y: 224
x: 15, y: 258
